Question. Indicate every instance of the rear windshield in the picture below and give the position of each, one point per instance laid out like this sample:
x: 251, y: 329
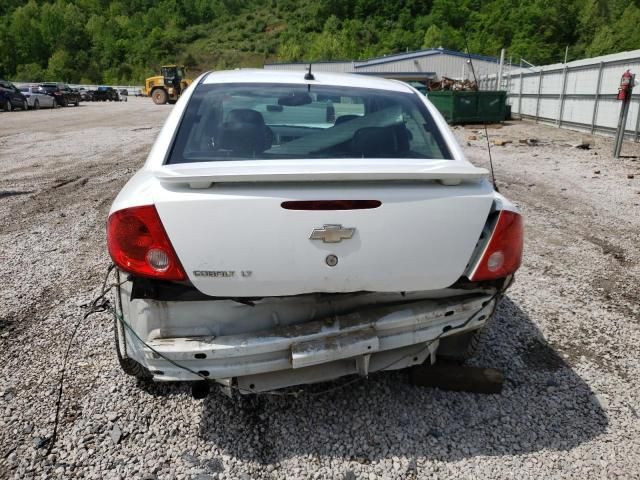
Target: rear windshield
x: 276, y: 121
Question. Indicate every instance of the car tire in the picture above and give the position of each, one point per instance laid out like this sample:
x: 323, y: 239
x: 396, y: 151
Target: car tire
x: 25, y: 106
x: 461, y: 347
x: 7, y: 106
x: 128, y: 365
x: 36, y: 105
x: 65, y: 102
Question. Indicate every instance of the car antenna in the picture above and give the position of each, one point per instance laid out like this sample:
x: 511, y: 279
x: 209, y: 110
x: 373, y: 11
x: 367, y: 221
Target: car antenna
x: 309, y: 75
x: 484, y: 124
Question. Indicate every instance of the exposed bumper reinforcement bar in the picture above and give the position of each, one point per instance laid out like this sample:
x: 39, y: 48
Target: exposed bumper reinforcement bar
x: 380, y: 338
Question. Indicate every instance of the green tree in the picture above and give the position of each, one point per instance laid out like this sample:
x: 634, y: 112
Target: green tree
x: 61, y: 66
x: 30, y: 72
x: 126, y: 40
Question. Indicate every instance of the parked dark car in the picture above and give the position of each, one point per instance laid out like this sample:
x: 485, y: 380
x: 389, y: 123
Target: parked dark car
x: 63, y: 94
x: 10, y: 97
x: 102, y: 94
x: 85, y: 95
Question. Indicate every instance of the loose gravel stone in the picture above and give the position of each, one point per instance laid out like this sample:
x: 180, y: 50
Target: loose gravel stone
x: 115, y: 433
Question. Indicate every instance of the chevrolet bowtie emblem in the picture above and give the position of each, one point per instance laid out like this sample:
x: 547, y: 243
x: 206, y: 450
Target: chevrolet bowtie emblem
x: 332, y: 233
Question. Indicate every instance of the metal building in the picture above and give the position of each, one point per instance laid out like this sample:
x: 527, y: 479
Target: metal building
x: 422, y: 65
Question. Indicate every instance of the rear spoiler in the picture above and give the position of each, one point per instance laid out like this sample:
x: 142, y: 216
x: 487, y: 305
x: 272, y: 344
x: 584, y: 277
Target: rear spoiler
x: 202, y: 175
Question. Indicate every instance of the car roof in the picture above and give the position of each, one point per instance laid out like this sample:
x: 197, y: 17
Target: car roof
x: 255, y: 75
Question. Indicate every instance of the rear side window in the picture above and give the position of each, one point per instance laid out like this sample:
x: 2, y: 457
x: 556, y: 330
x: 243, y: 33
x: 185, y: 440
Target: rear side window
x: 275, y: 121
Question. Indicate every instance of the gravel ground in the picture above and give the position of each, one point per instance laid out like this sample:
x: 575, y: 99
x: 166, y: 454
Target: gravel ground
x: 566, y: 335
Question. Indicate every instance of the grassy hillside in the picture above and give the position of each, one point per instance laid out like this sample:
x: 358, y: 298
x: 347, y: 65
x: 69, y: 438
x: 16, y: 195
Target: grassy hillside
x: 96, y: 41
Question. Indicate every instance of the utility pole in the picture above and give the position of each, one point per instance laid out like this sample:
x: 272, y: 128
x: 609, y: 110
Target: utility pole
x: 500, y: 70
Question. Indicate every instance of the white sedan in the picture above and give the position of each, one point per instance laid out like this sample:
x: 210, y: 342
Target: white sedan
x: 37, y: 98
x: 290, y: 228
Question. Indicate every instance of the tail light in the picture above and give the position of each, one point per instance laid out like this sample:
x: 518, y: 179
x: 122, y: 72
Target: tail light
x: 138, y: 244
x: 503, y: 254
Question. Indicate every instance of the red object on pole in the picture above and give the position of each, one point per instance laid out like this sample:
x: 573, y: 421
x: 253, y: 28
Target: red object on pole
x: 625, y: 85
x: 625, y: 90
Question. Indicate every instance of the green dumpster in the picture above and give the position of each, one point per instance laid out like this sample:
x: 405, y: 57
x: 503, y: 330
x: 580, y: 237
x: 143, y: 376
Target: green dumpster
x: 470, y: 107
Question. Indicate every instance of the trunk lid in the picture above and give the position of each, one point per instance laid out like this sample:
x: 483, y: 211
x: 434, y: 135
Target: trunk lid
x: 235, y: 239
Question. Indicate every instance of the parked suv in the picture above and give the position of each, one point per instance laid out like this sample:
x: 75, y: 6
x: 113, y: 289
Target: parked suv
x: 63, y: 94
x: 10, y: 97
x: 102, y: 94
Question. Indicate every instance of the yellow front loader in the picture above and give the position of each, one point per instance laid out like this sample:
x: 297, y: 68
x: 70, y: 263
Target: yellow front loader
x: 168, y: 86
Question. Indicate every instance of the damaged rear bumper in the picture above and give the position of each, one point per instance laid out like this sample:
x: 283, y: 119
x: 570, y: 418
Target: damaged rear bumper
x: 385, y: 337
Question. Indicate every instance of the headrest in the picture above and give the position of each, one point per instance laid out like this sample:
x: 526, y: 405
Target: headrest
x: 381, y: 141
x: 245, y: 115
x: 244, y: 132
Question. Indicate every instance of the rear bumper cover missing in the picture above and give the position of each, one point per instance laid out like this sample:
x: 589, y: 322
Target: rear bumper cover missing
x: 380, y: 338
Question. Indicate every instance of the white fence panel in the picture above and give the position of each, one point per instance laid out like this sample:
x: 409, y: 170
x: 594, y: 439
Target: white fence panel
x: 548, y: 108
x: 608, y: 112
x: 577, y: 109
x: 551, y: 82
x: 582, y: 82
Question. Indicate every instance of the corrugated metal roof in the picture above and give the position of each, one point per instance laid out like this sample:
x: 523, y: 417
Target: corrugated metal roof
x: 314, y: 63
x: 403, y: 74
x: 395, y: 57
x: 422, y: 53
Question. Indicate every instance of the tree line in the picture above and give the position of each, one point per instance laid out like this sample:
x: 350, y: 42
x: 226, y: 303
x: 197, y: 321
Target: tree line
x: 102, y: 41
